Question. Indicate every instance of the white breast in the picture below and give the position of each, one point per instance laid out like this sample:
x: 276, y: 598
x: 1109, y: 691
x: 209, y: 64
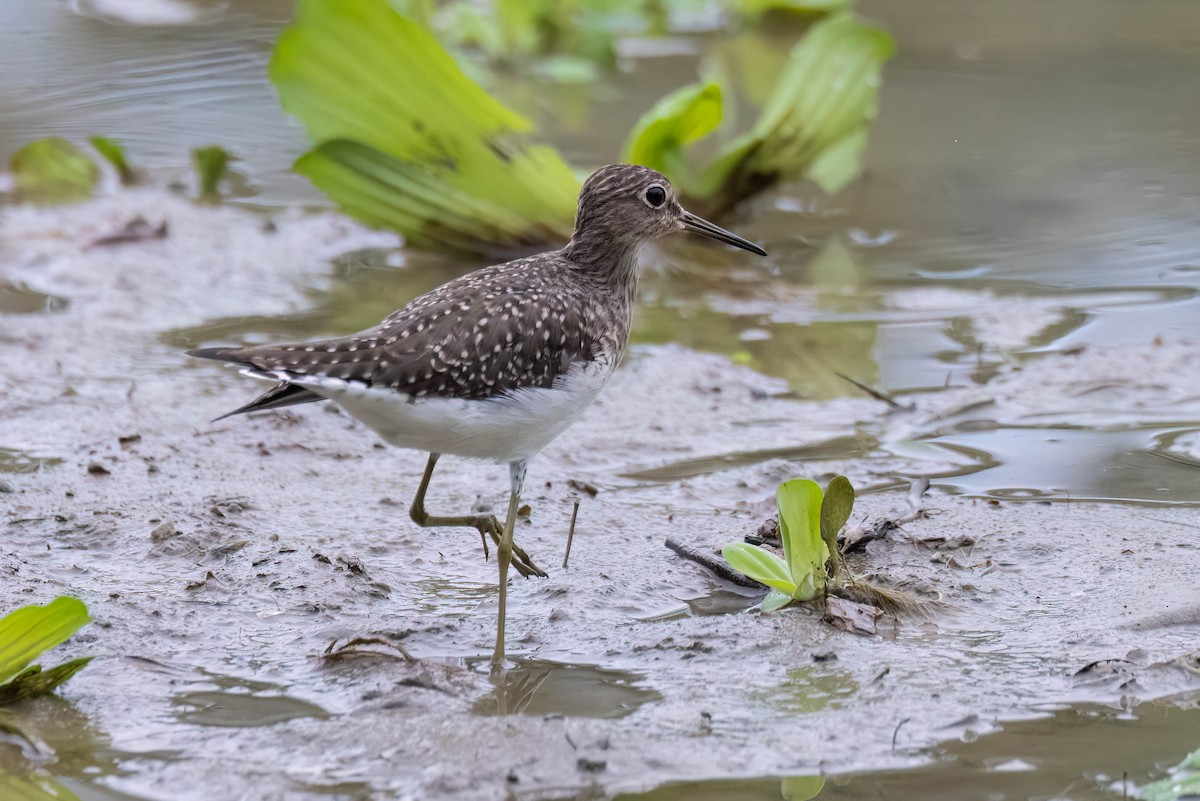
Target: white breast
x: 509, y: 427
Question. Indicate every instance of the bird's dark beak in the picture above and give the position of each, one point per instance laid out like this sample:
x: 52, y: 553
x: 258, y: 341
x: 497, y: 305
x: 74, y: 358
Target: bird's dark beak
x: 701, y: 226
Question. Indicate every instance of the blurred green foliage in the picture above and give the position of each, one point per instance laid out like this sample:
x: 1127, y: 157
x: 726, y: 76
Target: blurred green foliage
x: 37, y: 786
x: 211, y: 163
x: 114, y: 153
x: 52, y: 170
x: 404, y: 139
x: 1182, y: 784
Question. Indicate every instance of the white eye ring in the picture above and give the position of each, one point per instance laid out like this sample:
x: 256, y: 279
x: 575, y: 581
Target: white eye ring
x: 660, y: 194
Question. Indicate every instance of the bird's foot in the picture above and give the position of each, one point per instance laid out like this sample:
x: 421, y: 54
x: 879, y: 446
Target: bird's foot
x: 490, y: 527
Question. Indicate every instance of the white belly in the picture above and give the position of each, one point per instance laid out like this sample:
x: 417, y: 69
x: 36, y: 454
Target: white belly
x: 503, y: 429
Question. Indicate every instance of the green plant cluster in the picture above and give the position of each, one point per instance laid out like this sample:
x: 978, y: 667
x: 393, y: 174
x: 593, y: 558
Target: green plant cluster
x: 53, y: 171
x: 404, y: 139
x: 27, y: 632
x: 809, y: 522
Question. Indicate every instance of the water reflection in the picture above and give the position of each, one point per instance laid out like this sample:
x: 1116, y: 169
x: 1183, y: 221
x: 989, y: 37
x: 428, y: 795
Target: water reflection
x: 231, y: 701
x: 539, y: 687
x: 19, y: 299
x: 1084, y: 753
x: 51, y: 750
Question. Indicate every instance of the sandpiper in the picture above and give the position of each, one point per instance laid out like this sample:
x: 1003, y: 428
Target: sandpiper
x: 495, y: 364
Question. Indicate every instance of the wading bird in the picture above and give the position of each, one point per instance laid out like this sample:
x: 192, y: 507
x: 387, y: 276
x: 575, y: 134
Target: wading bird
x: 495, y: 364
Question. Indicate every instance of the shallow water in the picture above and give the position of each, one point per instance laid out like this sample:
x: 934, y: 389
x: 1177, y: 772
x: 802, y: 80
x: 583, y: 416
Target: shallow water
x: 1019, y: 268
x: 1075, y: 754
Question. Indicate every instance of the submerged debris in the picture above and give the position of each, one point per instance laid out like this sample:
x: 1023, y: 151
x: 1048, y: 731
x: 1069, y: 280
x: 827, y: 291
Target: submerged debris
x: 136, y: 230
x: 851, y: 616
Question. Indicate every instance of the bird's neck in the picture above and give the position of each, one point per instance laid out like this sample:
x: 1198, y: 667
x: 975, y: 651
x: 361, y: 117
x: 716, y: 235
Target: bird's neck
x: 604, y: 260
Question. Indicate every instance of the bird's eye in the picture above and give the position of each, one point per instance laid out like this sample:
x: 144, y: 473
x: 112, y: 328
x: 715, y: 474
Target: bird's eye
x: 655, y: 196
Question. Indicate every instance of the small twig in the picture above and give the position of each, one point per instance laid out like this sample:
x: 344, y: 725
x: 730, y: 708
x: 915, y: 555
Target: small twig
x: 715, y: 564
x: 571, y: 533
x: 856, y: 537
x: 897, y: 731
x: 876, y: 394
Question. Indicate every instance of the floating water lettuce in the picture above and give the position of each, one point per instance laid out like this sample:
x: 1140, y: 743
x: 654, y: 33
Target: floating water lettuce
x: 756, y: 7
x: 37, y: 786
x: 211, y: 163
x: 801, y: 788
x: 24, y: 634
x: 814, y: 123
x: 1183, y: 783
x: 809, y: 520
x: 405, y: 140
x: 52, y: 170
x: 114, y: 153
x: 686, y: 115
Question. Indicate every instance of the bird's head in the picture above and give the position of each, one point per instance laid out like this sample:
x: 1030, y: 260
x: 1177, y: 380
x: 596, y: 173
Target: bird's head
x: 627, y: 205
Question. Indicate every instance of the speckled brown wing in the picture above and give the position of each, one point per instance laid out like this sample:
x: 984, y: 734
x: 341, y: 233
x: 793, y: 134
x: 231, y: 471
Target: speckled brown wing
x: 484, y: 334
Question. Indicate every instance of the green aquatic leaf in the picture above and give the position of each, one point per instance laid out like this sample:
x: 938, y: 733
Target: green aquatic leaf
x: 211, y: 162
x: 114, y: 153
x: 33, y: 681
x: 836, y: 507
x: 816, y: 119
x: 51, y: 171
x: 574, y: 28
x: 759, y: 564
x: 376, y: 91
x: 1183, y: 783
x: 801, y: 788
x: 752, y: 8
x: 799, y: 503
x: 28, y: 631
x: 775, y: 600
x: 838, y: 165
x: 37, y: 786
x: 421, y: 200
x: 684, y: 116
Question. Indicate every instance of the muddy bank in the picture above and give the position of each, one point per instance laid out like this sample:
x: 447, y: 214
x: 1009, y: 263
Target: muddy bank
x: 220, y: 560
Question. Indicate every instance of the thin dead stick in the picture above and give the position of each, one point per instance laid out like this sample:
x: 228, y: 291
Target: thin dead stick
x: 876, y: 394
x: 571, y: 533
x: 713, y: 563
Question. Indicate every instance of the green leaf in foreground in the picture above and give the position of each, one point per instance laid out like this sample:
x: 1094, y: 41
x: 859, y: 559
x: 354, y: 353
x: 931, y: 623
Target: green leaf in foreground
x: 799, y: 502
x: 1184, y: 782
x: 760, y: 565
x: 800, y: 576
x: 33, y: 681
x: 114, y: 153
x: 757, y: 7
x: 816, y: 119
x: 801, y: 788
x: 405, y: 140
x: 836, y: 507
x: 35, y: 787
x: 211, y: 162
x: 50, y: 171
x: 25, y: 634
x: 682, y: 117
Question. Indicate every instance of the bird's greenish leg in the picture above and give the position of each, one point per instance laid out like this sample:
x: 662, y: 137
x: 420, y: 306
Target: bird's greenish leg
x: 504, y: 554
x: 486, y: 525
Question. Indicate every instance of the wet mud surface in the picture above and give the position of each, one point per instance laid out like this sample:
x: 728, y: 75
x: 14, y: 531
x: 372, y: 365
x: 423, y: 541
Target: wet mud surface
x: 1017, y: 270
x: 221, y: 560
